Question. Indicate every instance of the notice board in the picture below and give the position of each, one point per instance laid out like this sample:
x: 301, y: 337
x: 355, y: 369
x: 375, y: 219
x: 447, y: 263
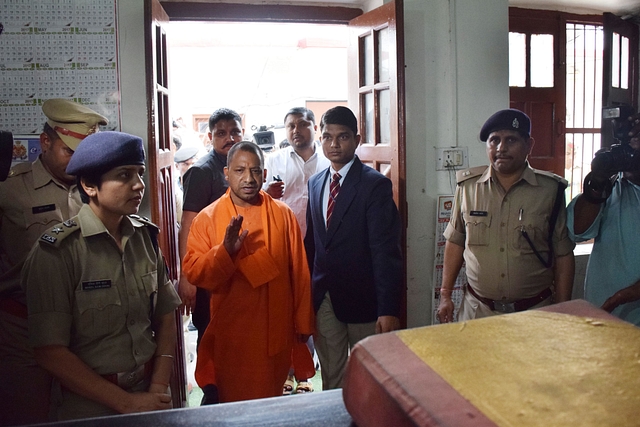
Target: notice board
x: 57, y: 49
x: 445, y: 208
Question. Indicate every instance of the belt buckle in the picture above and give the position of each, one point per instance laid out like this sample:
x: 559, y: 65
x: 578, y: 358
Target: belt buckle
x: 126, y: 380
x: 504, y: 307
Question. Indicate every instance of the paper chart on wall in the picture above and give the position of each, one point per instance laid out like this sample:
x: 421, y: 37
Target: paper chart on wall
x: 445, y: 208
x: 62, y: 49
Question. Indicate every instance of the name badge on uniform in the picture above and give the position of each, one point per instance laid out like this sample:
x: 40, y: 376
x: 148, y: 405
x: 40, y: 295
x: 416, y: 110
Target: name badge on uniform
x: 478, y: 213
x: 48, y: 238
x: 96, y: 284
x: 44, y: 208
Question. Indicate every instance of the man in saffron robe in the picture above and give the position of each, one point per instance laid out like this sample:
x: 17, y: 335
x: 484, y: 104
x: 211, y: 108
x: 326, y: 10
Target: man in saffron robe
x: 247, y: 250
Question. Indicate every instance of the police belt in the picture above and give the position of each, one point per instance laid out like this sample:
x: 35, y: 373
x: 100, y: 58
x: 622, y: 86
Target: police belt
x: 129, y: 379
x: 13, y: 307
x: 511, y: 307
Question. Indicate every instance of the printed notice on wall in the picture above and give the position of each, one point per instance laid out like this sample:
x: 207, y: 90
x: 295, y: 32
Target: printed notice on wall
x: 56, y: 49
x: 445, y: 208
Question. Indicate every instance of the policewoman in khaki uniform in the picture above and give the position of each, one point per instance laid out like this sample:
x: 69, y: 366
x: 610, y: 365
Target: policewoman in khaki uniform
x: 101, y: 308
x: 34, y: 197
x: 509, y: 225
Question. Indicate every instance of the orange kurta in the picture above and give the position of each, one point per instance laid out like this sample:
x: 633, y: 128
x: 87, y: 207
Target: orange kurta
x: 259, y: 301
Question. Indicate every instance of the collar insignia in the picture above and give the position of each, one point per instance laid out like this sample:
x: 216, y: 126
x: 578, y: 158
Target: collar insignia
x: 69, y: 223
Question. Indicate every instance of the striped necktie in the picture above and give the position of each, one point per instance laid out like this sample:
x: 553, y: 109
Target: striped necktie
x: 334, y: 189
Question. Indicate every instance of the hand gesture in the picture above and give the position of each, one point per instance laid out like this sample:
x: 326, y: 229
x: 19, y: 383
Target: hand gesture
x: 187, y: 293
x: 276, y: 189
x: 233, y: 238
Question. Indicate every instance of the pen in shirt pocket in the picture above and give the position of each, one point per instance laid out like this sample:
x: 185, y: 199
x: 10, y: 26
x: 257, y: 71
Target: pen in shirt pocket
x: 520, y: 219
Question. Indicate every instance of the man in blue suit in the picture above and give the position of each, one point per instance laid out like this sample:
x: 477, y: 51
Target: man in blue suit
x: 353, y: 247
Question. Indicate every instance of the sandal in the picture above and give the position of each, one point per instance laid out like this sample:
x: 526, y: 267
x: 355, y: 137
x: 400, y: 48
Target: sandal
x: 287, y: 388
x: 304, y: 387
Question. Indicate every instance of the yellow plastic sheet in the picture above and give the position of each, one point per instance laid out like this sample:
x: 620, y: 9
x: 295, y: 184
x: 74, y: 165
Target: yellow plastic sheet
x: 538, y: 368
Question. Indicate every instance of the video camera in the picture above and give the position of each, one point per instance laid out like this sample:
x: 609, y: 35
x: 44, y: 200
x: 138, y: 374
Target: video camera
x: 619, y: 116
x: 607, y: 162
x: 619, y: 157
x: 264, y: 138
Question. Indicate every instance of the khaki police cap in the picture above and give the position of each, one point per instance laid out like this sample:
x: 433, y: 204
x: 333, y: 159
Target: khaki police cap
x: 72, y: 121
x: 185, y: 153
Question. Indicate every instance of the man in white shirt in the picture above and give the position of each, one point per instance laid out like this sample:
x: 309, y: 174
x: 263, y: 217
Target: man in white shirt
x: 295, y: 164
x: 289, y: 169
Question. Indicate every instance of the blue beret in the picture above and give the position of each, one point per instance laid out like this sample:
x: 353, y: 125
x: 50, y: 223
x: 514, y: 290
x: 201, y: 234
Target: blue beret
x: 100, y: 152
x: 510, y: 119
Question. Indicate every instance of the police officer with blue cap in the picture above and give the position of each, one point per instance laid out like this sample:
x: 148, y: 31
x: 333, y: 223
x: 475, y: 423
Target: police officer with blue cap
x: 101, y: 307
x: 34, y: 197
x: 510, y: 119
x: 509, y: 225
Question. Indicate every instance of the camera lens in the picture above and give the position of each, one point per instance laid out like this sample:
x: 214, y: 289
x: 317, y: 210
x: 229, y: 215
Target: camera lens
x: 618, y: 158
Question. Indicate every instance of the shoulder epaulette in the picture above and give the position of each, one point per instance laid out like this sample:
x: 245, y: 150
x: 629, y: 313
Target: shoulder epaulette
x: 466, y: 174
x: 61, y: 231
x: 19, y: 169
x: 153, y: 229
x: 144, y: 221
x: 551, y: 175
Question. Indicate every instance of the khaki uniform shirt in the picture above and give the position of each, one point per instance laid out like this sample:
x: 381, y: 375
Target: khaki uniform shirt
x: 486, y: 221
x: 85, y: 294
x: 31, y: 201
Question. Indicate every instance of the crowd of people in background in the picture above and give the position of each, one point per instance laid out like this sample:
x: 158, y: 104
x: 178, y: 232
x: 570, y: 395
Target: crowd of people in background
x: 283, y: 255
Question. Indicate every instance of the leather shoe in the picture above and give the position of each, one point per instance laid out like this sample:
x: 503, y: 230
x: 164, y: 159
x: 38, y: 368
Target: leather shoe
x: 210, y: 395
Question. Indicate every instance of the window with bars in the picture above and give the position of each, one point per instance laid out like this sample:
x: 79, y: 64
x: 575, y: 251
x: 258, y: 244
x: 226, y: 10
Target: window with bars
x: 583, y: 89
x: 584, y: 59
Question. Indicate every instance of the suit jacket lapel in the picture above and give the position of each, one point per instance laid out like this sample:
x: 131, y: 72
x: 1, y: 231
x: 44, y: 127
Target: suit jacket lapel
x: 348, y: 192
x: 316, y: 192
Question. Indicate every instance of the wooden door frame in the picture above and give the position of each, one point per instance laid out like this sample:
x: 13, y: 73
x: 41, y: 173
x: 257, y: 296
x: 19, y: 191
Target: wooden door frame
x: 561, y: 18
x: 549, y: 152
x: 396, y: 84
x: 197, y: 11
x: 160, y: 173
x: 233, y: 12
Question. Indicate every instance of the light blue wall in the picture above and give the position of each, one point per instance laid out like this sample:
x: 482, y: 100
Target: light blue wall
x: 133, y: 106
x: 456, y: 77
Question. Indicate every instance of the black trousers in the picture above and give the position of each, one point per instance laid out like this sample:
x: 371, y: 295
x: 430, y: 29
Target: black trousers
x: 200, y: 314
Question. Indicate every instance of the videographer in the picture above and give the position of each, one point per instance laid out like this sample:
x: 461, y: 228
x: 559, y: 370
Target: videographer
x: 608, y: 211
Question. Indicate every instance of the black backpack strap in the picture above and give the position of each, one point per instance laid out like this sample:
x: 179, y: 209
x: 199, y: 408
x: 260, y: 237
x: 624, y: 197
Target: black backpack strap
x: 552, y: 225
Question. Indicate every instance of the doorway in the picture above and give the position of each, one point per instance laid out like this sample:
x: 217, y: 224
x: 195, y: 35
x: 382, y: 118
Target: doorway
x: 260, y: 70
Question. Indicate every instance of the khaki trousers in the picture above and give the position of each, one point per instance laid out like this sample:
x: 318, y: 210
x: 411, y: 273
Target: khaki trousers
x: 334, y: 339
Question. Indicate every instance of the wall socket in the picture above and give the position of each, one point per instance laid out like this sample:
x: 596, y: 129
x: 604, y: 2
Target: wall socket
x: 451, y: 157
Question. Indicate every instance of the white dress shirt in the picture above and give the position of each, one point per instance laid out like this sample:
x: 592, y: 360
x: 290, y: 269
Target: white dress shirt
x: 295, y: 174
x: 325, y: 195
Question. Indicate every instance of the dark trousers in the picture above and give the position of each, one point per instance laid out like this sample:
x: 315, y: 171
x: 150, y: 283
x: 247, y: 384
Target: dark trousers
x: 200, y: 314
